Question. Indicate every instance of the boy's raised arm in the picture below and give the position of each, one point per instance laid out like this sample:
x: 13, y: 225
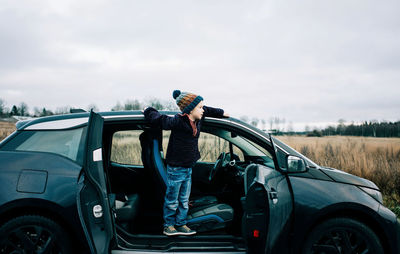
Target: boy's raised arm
x: 154, y: 117
x: 214, y: 112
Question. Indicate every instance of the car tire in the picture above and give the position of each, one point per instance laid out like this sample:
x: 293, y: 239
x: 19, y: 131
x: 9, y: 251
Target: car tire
x: 33, y: 234
x: 342, y: 235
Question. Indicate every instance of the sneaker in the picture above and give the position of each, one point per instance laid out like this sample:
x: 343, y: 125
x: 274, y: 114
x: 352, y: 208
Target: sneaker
x: 185, y: 230
x: 170, y: 230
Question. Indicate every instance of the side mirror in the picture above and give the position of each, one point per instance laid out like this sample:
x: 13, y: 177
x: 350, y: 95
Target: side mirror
x: 295, y: 164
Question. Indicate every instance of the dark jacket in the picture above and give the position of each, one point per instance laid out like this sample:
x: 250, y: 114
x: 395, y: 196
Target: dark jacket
x: 183, y: 150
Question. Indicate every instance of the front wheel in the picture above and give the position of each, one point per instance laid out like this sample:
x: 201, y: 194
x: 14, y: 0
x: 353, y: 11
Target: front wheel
x: 33, y: 234
x: 342, y: 235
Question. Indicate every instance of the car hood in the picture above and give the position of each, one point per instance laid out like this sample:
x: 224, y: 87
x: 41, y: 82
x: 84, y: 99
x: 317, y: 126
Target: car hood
x: 343, y: 177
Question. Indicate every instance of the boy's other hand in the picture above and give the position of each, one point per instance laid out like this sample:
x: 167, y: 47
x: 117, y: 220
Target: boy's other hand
x: 226, y: 115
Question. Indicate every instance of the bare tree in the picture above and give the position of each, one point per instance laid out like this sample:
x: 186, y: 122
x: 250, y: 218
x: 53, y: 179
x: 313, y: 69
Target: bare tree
x: 271, y: 123
x: 255, y: 121
x: 62, y: 110
x: 263, y: 122
x: 132, y: 105
x: 117, y: 107
x: 155, y: 103
x: 92, y: 106
x: 23, y: 109
x: 290, y: 128
x: 277, y: 122
x: 169, y: 105
x: 2, y: 107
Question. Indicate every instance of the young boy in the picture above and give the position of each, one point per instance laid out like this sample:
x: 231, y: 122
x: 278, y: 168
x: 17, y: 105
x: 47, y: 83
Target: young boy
x: 182, y: 154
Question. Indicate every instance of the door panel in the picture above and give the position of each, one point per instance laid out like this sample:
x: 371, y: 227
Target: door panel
x: 94, y: 206
x: 268, y: 208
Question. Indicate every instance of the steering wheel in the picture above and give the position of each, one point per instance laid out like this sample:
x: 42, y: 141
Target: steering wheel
x: 222, y: 161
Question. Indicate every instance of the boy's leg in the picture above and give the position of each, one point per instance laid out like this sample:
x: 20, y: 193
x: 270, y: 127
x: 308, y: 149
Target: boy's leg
x: 183, y: 198
x: 174, y: 182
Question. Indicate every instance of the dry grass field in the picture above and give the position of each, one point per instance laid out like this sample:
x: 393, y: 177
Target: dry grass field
x: 376, y: 159
x: 6, y: 128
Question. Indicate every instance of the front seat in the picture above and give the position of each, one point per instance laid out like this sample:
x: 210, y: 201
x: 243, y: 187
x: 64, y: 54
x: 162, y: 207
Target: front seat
x: 205, y: 214
x: 126, y: 211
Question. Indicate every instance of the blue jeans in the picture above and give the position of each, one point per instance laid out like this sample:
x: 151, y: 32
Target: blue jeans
x: 176, y: 203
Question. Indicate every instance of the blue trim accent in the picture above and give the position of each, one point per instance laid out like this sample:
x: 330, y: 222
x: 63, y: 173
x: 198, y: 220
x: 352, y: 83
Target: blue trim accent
x: 159, y: 164
x: 206, y: 217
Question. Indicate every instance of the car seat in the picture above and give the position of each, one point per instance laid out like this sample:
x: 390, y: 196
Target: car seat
x: 126, y: 211
x: 205, y: 214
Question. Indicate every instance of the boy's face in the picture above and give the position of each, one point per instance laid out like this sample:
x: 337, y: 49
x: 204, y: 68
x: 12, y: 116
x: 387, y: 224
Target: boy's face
x: 197, y: 112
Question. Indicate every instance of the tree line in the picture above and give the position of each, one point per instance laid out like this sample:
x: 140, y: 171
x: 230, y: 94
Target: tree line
x: 275, y: 125
x: 365, y: 129
x: 22, y: 108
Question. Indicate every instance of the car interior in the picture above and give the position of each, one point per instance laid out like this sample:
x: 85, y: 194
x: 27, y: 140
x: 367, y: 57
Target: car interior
x: 135, y: 168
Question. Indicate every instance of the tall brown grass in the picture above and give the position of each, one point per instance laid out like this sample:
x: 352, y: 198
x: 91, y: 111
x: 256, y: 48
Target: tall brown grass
x: 376, y: 159
x: 6, y: 128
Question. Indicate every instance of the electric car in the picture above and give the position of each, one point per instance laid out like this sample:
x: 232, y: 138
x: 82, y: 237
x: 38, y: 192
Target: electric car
x: 95, y: 182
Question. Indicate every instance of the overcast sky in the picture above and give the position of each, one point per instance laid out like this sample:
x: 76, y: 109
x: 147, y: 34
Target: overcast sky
x: 306, y: 61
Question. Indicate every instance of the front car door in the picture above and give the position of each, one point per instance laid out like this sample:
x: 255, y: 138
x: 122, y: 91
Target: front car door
x: 94, y: 207
x: 268, y: 208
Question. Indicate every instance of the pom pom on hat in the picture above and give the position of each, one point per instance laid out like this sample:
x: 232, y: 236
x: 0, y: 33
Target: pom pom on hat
x: 176, y: 93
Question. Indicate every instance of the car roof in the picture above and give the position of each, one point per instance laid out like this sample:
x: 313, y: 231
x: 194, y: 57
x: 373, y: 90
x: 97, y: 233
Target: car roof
x: 74, y: 120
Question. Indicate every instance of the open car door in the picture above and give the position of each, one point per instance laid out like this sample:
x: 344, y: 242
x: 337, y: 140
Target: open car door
x: 268, y: 208
x: 94, y: 207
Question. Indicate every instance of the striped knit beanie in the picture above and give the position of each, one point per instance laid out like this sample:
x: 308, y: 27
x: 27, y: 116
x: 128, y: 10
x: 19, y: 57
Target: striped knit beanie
x: 186, y: 101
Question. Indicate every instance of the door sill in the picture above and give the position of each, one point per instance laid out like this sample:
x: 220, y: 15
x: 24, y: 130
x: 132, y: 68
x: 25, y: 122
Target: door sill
x: 180, y: 252
x: 183, y: 244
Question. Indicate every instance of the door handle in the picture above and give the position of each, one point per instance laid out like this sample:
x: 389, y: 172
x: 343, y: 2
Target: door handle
x: 273, y: 195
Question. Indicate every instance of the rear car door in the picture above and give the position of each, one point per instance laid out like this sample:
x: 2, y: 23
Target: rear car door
x: 95, y: 211
x: 268, y: 209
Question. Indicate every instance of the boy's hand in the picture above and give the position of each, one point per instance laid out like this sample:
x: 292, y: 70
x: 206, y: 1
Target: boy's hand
x: 226, y: 115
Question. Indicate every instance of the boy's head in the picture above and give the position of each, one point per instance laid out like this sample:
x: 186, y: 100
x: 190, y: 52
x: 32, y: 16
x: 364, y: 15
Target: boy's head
x: 189, y: 103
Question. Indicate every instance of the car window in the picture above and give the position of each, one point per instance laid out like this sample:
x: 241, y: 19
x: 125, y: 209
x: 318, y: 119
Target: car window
x: 210, y: 146
x: 126, y: 148
x: 252, y: 151
x: 68, y: 143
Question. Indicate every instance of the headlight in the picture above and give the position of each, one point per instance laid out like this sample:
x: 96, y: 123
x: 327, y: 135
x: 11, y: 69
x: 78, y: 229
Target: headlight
x: 375, y: 194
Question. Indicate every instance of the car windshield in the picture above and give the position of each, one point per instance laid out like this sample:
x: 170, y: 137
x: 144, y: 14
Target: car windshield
x: 291, y: 151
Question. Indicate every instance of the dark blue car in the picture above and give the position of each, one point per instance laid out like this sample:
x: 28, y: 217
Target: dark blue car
x: 89, y: 182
